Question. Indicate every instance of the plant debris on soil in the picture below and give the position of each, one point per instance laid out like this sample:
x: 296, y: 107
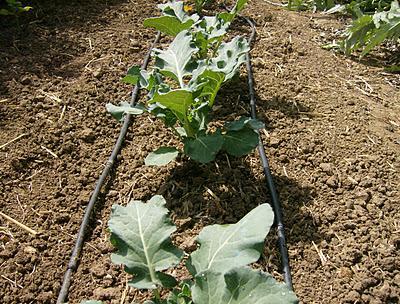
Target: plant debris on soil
x: 332, y: 136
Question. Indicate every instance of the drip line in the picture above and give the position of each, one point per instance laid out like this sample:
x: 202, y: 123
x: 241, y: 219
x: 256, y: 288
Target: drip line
x: 73, y: 262
x: 267, y: 171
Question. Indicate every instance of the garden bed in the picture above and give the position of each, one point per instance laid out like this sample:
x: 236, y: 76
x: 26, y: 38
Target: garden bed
x: 333, y: 139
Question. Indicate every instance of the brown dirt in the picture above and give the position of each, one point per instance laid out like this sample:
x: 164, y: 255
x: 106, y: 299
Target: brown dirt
x: 333, y: 139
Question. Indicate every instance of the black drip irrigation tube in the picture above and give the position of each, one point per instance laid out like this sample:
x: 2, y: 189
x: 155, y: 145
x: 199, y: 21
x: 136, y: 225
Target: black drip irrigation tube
x: 73, y: 262
x: 267, y: 171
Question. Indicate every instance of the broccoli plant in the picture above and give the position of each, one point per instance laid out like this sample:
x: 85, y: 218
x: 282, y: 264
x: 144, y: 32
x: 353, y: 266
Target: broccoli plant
x: 368, y: 31
x: 14, y: 8
x: 184, y: 83
x: 219, y: 267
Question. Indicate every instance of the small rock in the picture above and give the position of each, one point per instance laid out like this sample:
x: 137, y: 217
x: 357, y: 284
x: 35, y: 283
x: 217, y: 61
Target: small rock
x: 62, y: 218
x: 327, y: 168
x: 332, y: 181
x: 105, y: 293
x: 45, y: 297
x: 363, y: 195
x: 350, y: 205
x: 98, y: 271
x: 98, y: 73
x: 384, y: 292
x: 274, y: 142
x: 113, y: 193
x: 352, y: 297
x: 26, y: 80
x: 105, y: 247
x: 30, y: 249
x: 7, y: 253
x: 135, y: 43
x: 87, y: 135
x: 189, y: 244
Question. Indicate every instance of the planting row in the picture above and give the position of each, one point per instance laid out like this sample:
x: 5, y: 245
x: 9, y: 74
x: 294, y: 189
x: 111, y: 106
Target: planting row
x: 182, y: 88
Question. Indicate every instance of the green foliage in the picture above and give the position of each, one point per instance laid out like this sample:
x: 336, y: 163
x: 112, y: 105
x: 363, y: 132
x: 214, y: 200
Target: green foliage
x: 161, y: 156
x: 223, y: 247
x: 374, y: 21
x: 141, y: 232
x: 14, y: 8
x: 241, y: 286
x: 220, y: 275
x: 174, y: 19
x: 368, y: 31
x: 185, y: 80
x: 301, y: 5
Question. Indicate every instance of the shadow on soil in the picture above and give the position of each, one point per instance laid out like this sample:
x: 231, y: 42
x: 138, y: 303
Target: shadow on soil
x: 225, y: 191
x: 38, y: 42
x: 231, y: 106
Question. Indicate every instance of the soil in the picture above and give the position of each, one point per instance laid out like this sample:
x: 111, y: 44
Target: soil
x: 332, y: 136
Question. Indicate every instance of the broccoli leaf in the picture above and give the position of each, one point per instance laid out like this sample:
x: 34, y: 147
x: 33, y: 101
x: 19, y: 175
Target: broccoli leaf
x: 174, y: 62
x: 161, y: 156
x: 223, y: 247
x: 141, y: 232
x: 230, y: 56
x: 178, y: 101
x: 118, y: 112
x: 241, y: 286
x: 168, y: 25
x: 204, y: 147
x: 242, y: 142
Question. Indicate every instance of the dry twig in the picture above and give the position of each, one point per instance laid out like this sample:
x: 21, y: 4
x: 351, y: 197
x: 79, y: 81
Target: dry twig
x: 26, y: 228
x: 12, y: 140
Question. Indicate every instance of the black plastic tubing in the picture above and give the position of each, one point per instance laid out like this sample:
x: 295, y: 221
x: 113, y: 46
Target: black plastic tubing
x: 267, y: 171
x: 73, y: 262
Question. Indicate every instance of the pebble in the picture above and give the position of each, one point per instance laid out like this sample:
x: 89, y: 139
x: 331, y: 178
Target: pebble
x: 352, y: 297
x: 30, y: 249
x: 332, y: 181
x: 274, y: 142
x: 135, y: 43
x: 98, y: 73
x: 26, y: 80
x: 98, y: 271
x: 105, y: 293
x: 327, y: 168
x: 87, y: 135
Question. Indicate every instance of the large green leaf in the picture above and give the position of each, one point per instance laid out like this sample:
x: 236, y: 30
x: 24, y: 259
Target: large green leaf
x: 358, y: 33
x: 174, y: 19
x: 223, y: 247
x: 176, y: 9
x: 178, y: 101
x: 161, y: 156
x: 168, y: 25
x: 228, y: 17
x: 387, y: 27
x: 204, y: 147
x: 241, y: 286
x: 242, y: 142
x: 369, y: 31
x: 141, y: 232
x: 213, y: 27
x: 174, y: 62
x: 230, y: 56
x: 207, y: 83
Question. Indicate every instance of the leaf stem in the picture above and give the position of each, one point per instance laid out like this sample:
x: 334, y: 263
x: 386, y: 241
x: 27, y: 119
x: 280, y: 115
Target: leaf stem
x: 157, y: 296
